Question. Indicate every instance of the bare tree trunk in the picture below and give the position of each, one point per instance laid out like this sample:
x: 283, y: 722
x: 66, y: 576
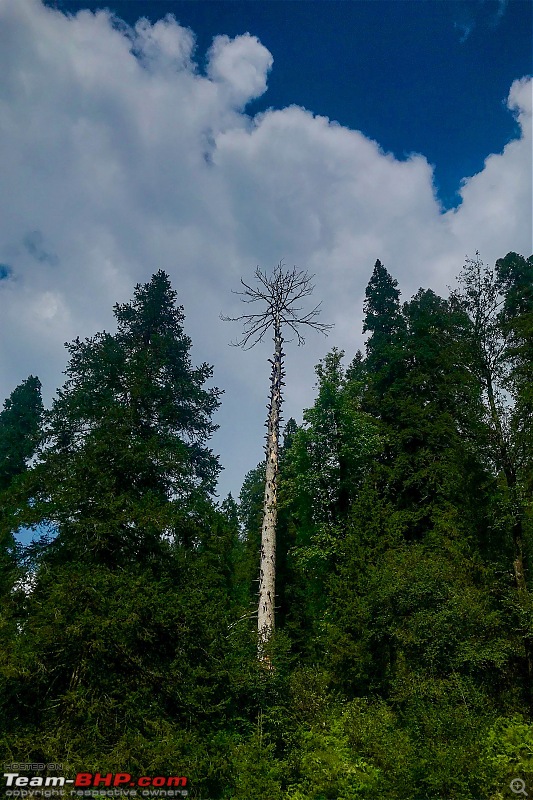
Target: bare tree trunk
x: 267, y: 567
x: 279, y: 295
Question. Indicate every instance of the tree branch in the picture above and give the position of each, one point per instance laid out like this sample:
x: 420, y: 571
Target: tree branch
x: 279, y: 292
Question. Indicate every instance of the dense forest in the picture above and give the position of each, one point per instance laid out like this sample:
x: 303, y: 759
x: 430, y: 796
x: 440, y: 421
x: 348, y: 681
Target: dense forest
x: 401, y: 663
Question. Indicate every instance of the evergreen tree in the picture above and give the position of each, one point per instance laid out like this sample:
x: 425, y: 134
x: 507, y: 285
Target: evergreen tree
x: 438, y: 415
x: 20, y: 433
x: 384, y: 322
x: 514, y: 278
x: 428, y: 483
x: 417, y: 617
x: 122, y: 642
x: 381, y: 307
x: 324, y: 467
x: 125, y: 462
x: 20, y: 429
x: 421, y: 389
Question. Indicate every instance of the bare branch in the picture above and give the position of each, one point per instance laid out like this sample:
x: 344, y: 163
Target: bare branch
x: 279, y: 294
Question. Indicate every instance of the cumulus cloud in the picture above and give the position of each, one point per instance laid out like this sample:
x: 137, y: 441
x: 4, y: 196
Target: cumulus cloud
x: 241, y: 65
x: 521, y: 101
x: 119, y: 156
x: 164, y: 45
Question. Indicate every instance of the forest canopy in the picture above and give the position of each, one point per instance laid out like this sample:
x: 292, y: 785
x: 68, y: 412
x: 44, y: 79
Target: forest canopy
x: 402, y: 659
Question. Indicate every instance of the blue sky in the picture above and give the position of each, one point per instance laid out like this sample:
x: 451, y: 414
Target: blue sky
x: 415, y: 75
x: 230, y: 135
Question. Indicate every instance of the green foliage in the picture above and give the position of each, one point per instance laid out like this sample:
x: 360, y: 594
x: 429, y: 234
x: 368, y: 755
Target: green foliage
x: 20, y: 429
x: 323, y: 466
x: 330, y: 453
x: 123, y: 634
x: 508, y: 752
x: 433, y: 466
x: 109, y: 653
x: 125, y: 458
x: 20, y: 433
x: 515, y: 281
x: 401, y: 668
x: 258, y: 773
x: 329, y: 769
x: 384, y: 320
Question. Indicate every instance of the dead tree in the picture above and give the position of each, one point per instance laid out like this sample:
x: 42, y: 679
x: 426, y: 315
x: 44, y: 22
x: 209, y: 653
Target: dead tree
x: 279, y: 295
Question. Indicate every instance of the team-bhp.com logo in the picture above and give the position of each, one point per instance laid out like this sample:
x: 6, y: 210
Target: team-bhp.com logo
x: 89, y: 780
x: 18, y: 785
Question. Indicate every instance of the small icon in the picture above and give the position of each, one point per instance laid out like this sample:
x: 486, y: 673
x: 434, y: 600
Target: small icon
x: 518, y: 786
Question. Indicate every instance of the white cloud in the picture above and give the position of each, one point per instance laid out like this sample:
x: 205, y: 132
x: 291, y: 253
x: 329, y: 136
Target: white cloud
x: 497, y: 202
x: 521, y: 101
x: 241, y: 65
x: 119, y: 157
x: 164, y: 45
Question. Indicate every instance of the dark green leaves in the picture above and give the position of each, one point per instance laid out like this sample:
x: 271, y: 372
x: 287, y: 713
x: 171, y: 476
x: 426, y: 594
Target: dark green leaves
x: 20, y: 429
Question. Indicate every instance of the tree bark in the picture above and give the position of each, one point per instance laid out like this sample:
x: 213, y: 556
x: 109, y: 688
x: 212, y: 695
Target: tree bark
x: 267, y: 568
x: 280, y: 293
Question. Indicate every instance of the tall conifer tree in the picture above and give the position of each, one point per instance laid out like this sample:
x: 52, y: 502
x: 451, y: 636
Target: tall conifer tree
x: 20, y: 429
x: 126, y: 458
x: 130, y: 601
x: 20, y: 433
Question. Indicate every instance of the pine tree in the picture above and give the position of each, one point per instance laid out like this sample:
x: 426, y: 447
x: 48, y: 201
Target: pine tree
x: 20, y: 433
x: 324, y: 467
x: 420, y: 388
x: 20, y: 429
x: 384, y: 321
x: 123, y: 639
x: 417, y: 615
x: 125, y: 462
